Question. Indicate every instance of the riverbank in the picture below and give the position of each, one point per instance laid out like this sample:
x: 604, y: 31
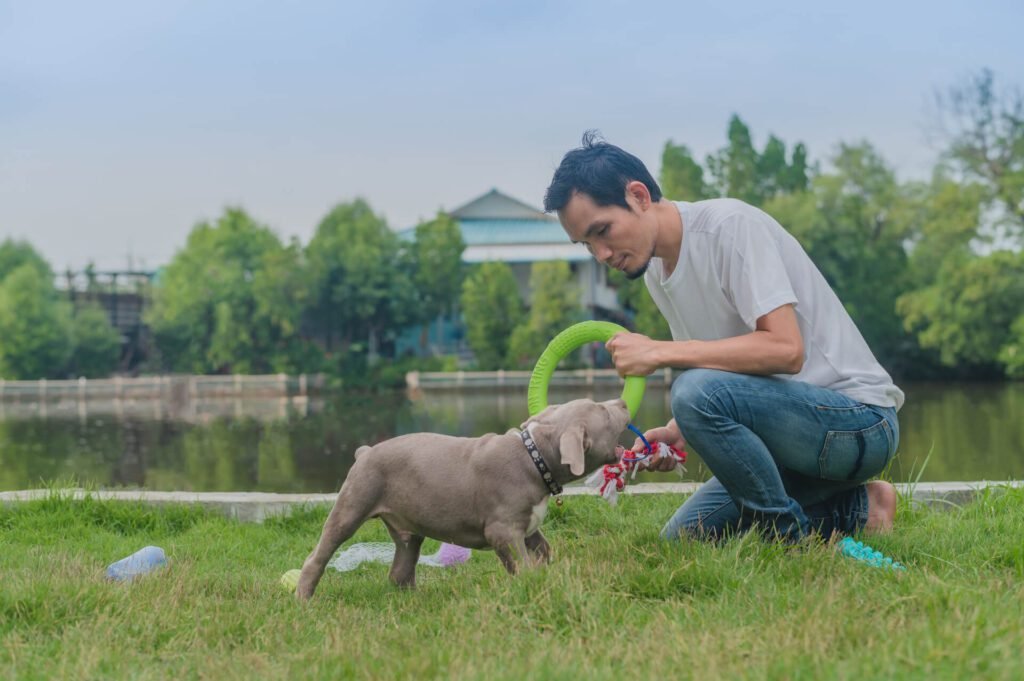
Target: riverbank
x: 616, y: 602
x: 258, y: 506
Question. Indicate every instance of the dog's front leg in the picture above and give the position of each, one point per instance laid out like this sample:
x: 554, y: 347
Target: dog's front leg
x: 539, y: 547
x: 510, y: 545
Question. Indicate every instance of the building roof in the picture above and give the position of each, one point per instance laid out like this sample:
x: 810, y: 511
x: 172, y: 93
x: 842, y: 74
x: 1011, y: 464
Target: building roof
x: 496, y: 226
x: 495, y: 205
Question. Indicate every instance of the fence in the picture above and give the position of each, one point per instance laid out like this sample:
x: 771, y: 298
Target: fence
x: 469, y: 380
x: 169, y: 388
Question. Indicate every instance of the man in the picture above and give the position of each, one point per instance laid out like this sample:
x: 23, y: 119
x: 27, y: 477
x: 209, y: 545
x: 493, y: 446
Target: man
x: 780, y: 394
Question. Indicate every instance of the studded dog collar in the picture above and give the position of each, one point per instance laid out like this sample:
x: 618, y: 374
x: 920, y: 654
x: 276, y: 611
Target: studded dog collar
x: 538, y: 461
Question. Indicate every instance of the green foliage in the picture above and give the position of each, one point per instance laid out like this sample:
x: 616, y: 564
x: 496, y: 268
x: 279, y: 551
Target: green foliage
x: 14, y: 254
x: 972, y: 314
x: 230, y: 301
x: 492, y: 310
x: 1011, y: 355
x: 682, y: 178
x: 853, y: 223
x: 554, y: 305
x: 362, y: 283
x: 437, y: 265
x: 97, y: 344
x: 35, y: 327
x: 634, y: 296
x: 738, y: 171
x: 985, y: 133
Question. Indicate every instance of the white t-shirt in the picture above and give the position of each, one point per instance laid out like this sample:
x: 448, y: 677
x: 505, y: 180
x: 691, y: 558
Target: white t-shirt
x: 736, y: 264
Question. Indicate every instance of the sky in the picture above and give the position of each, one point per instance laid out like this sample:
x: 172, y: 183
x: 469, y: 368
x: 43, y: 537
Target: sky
x: 124, y: 124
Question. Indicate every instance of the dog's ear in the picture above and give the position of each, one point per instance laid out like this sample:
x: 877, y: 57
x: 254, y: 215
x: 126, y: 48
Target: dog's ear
x: 571, y: 446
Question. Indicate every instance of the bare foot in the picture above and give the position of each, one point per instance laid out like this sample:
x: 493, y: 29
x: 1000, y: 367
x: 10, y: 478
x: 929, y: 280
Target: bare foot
x: 881, y: 507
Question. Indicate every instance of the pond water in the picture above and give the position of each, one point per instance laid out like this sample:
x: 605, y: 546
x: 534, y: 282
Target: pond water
x: 963, y: 431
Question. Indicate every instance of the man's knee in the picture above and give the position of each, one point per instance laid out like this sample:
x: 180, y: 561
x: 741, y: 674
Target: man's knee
x: 692, y: 393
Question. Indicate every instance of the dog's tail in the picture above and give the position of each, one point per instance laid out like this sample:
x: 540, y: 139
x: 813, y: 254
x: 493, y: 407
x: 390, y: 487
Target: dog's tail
x: 362, y: 450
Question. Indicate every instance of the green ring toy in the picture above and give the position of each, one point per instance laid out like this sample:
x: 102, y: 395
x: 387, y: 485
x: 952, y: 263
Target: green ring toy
x: 561, y: 345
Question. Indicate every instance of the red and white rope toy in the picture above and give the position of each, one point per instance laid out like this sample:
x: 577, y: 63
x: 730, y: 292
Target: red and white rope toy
x: 609, y: 480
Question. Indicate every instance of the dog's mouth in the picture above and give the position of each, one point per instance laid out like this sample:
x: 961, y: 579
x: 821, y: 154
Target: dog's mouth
x: 620, y: 451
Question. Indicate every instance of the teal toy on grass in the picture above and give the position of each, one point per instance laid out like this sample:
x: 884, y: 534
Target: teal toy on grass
x: 865, y: 554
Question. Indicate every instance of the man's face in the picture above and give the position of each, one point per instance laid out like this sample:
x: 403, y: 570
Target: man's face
x: 617, y: 237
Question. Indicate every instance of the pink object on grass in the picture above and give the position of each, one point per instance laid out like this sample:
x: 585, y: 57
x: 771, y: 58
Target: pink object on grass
x: 450, y: 554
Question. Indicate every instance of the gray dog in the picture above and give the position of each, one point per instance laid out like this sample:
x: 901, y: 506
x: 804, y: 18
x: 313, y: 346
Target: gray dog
x: 486, y: 492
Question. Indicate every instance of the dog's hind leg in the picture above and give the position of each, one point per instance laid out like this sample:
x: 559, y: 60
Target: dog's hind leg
x: 349, y: 513
x: 407, y: 553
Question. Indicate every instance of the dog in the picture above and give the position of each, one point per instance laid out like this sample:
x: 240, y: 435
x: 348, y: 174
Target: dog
x: 481, y: 493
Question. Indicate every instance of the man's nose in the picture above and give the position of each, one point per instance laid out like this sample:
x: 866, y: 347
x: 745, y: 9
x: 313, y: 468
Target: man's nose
x: 602, y: 253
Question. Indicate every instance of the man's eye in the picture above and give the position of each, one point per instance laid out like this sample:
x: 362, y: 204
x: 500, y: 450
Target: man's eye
x: 603, y: 230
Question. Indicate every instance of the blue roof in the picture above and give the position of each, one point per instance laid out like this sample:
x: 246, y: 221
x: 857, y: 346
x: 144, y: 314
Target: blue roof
x: 495, y: 218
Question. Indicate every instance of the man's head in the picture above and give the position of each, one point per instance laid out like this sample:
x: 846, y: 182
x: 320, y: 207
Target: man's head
x: 603, y: 196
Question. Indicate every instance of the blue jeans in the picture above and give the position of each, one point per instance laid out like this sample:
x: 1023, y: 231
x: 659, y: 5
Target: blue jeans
x: 787, y: 456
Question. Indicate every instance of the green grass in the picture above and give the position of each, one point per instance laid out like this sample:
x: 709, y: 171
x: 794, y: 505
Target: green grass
x: 617, y: 603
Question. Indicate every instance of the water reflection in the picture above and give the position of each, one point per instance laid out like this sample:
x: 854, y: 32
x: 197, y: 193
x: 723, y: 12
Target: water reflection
x: 298, y: 445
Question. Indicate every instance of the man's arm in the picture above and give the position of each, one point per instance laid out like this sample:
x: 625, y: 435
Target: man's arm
x: 774, y: 347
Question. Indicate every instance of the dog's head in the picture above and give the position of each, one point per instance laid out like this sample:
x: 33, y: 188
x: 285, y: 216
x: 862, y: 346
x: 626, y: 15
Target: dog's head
x: 586, y: 432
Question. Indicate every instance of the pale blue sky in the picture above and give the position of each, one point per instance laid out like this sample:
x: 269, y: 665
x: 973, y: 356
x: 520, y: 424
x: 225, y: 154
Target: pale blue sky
x: 122, y: 124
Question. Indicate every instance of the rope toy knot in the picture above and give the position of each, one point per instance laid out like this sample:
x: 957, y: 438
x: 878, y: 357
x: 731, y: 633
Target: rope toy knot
x: 610, y: 479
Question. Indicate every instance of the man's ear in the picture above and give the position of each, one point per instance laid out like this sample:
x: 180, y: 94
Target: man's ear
x: 571, y: 446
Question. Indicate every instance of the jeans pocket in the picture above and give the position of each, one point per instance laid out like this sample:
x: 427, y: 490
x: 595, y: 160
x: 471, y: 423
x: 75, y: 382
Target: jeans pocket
x: 856, y: 454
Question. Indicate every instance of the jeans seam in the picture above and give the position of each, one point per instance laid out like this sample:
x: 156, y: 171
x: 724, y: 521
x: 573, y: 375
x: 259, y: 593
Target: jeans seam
x: 785, y: 395
x: 740, y: 459
x: 724, y: 504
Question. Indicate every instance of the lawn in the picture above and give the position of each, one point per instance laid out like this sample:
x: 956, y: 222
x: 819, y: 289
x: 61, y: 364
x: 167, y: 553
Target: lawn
x: 616, y: 603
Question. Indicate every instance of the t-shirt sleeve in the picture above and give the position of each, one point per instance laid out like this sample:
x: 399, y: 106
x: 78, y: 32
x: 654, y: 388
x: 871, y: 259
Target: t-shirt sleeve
x: 753, y: 273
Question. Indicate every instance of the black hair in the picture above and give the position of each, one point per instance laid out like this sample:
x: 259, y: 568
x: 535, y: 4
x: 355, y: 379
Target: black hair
x: 599, y: 170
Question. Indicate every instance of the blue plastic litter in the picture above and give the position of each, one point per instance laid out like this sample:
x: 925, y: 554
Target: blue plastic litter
x: 142, y: 561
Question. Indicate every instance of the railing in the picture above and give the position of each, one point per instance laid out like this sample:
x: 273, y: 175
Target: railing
x: 162, y: 387
x: 468, y: 380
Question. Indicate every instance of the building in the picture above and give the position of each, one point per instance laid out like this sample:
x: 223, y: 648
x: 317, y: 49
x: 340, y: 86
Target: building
x: 497, y: 227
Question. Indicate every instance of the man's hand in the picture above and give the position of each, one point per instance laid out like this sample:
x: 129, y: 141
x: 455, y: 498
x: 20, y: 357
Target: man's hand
x: 670, y: 435
x: 634, y: 354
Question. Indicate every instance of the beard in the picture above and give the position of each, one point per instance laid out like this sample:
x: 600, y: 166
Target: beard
x: 640, y: 271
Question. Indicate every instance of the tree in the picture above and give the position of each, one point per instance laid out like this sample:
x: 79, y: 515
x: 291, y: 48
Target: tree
x: 492, y: 310
x: 771, y: 168
x: 682, y: 178
x: 35, y: 327
x: 362, y: 283
x: 740, y: 172
x: 734, y: 168
x: 633, y: 295
x: 282, y: 294
x: 97, y: 344
x: 795, y: 175
x: 854, y: 223
x: 222, y: 304
x: 985, y: 133
x: 437, y: 267
x: 554, y: 305
x: 14, y: 254
x: 973, y: 313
